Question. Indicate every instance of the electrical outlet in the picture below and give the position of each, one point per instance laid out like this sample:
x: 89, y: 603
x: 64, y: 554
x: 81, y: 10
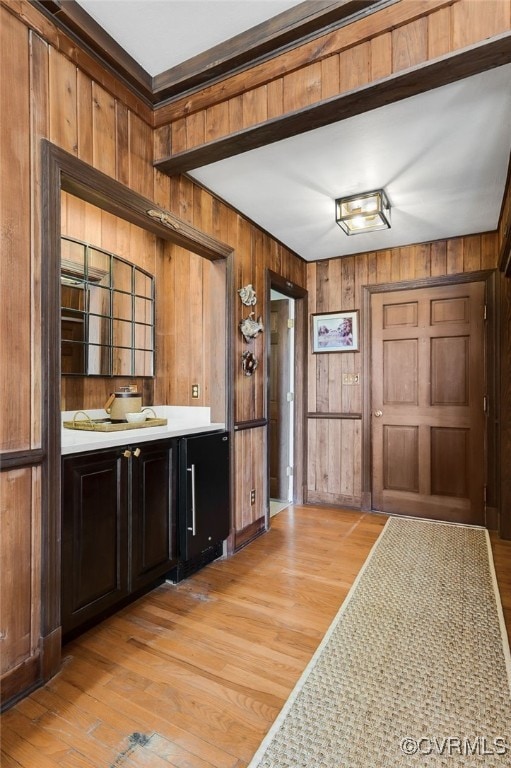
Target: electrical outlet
x: 252, y: 496
x: 195, y: 390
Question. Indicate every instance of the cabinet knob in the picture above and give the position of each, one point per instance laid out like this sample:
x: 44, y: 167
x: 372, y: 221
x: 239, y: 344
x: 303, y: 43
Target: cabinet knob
x: 126, y: 453
x: 137, y: 452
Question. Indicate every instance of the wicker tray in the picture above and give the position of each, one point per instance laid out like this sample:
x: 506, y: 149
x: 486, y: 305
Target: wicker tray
x: 105, y: 425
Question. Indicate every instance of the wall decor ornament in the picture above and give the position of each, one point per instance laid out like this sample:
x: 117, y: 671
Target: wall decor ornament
x: 335, y: 332
x: 249, y: 363
x: 250, y: 328
x: 248, y: 295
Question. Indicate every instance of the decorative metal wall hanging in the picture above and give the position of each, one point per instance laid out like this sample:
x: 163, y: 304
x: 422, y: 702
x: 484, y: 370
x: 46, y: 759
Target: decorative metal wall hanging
x: 250, y: 328
x: 249, y: 363
x: 248, y: 295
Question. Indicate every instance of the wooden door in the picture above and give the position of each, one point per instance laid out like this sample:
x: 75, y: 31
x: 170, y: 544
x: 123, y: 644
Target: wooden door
x: 427, y: 387
x: 279, y: 405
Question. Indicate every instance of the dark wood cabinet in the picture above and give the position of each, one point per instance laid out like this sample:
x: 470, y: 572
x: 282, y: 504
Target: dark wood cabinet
x: 153, y: 545
x: 118, y: 527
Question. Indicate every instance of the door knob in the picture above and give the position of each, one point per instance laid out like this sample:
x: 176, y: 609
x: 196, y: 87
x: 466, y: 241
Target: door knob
x: 378, y: 414
x: 137, y: 452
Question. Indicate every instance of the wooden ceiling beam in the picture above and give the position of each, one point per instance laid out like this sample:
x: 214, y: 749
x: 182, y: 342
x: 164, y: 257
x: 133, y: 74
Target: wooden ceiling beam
x: 447, y: 69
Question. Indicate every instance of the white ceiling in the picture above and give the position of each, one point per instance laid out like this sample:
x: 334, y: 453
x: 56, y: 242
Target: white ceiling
x: 159, y: 34
x: 441, y: 156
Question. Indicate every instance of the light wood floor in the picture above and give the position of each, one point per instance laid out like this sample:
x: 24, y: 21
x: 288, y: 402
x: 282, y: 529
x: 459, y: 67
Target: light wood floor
x: 193, y: 675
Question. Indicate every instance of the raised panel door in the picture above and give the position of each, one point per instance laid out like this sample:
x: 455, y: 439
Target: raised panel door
x: 94, y: 535
x: 153, y: 512
x: 427, y: 402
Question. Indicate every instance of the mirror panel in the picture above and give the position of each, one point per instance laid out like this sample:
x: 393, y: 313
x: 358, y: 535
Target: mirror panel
x: 143, y: 311
x: 121, y: 361
x: 107, y: 311
x: 144, y: 361
x: 143, y: 285
x: 122, y: 305
x: 122, y: 334
x: 143, y: 336
x: 122, y: 276
x: 98, y: 360
x: 73, y: 357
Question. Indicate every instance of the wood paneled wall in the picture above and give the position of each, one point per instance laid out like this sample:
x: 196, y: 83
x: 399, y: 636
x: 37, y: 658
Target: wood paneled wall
x: 52, y: 89
x: 335, y: 409
x: 405, y: 34
x: 97, y: 120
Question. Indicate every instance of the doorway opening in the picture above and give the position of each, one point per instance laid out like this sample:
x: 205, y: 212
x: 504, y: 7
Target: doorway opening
x: 286, y: 340
x: 281, y: 400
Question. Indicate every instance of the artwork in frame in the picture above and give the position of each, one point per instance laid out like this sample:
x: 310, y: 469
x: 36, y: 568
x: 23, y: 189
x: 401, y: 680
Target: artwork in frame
x: 335, y: 332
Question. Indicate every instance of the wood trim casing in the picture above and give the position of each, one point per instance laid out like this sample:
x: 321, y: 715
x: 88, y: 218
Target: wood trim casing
x: 239, y: 426
x: 248, y: 534
x: 505, y: 224
x: 20, y: 681
x: 85, y: 182
x: 413, y: 81
x: 18, y: 459
x: 331, y: 415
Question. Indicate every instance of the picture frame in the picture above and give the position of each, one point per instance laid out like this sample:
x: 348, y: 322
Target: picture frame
x: 335, y: 331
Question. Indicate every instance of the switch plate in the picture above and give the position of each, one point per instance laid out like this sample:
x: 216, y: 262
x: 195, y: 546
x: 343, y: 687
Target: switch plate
x: 195, y: 390
x: 351, y: 378
x: 252, y: 496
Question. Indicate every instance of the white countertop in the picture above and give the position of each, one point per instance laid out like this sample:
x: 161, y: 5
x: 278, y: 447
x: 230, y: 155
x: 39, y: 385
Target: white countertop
x: 181, y: 420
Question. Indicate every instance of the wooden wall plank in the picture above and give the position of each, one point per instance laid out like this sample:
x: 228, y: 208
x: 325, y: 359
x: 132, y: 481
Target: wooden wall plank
x: 439, y: 33
x: 217, y: 122
x: 381, y: 56
x: 85, y: 118
x: 330, y: 76
x: 438, y: 258
x: 354, y: 67
x: 255, y: 106
x: 302, y: 87
x: 15, y: 242
x: 410, y: 44
x: 104, y: 131
x: 472, y: 253
x: 39, y: 86
x: 16, y: 524
x: 140, y: 156
x: 476, y: 21
x: 63, y: 102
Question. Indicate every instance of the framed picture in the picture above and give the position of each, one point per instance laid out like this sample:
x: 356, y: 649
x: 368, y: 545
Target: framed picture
x: 335, y: 332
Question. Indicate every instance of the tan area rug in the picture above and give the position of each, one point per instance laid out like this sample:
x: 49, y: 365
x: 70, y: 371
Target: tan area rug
x: 415, y: 668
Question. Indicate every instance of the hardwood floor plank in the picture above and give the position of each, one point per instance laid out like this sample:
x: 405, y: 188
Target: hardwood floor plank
x: 192, y: 675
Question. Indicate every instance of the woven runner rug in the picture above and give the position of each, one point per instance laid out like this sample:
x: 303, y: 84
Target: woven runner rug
x: 415, y: 668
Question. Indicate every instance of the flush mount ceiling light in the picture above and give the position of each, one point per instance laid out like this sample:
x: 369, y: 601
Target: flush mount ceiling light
x: 363, y: 213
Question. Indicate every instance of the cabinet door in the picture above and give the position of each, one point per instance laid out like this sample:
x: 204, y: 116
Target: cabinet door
x: 204, y: 492
x: 94, y: 535
x: 153, y: 517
